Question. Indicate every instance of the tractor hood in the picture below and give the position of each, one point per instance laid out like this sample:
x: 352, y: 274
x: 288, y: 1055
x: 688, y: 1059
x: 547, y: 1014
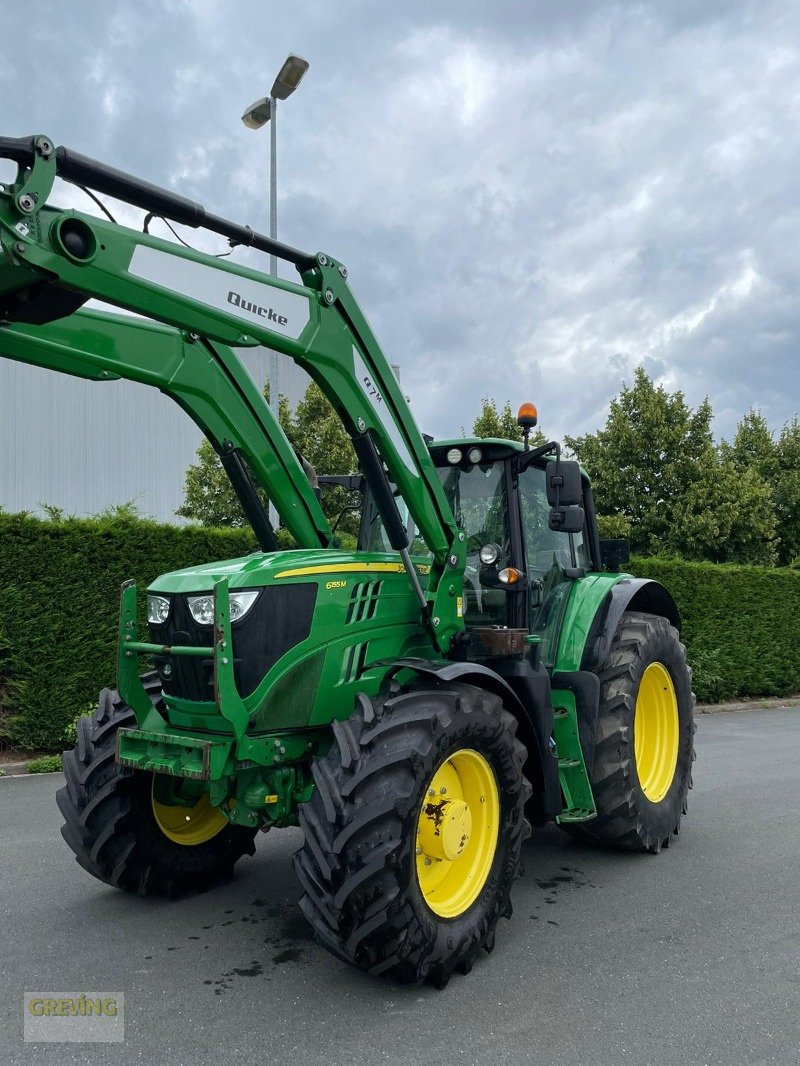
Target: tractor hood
x: 320, y: 618
x: 264, y: 568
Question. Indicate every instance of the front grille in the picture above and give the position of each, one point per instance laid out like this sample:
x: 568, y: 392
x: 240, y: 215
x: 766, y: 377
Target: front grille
x: 279, y: 619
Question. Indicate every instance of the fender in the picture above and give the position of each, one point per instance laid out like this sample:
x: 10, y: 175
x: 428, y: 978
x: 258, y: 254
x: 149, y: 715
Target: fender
x: 541, y: 767
x: 627, y: 594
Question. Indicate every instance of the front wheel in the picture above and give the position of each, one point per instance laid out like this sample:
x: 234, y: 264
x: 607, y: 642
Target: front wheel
x: 137, y: 831
x: 413, y: 832
x: 644, y: 740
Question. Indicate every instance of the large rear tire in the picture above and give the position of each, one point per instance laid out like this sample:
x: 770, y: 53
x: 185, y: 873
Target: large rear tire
x: 120, y: 832
x: 644, y: 740
x: 413, y: 832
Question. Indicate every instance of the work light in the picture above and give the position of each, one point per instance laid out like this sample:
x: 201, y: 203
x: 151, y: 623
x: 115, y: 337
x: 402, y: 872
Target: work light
x: 490, y: 553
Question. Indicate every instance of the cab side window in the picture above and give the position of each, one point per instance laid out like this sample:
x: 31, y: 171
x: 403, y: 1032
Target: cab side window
x: 548, y: 554
x: 583, y: 554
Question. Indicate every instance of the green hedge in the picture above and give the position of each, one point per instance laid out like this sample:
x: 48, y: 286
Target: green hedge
x: 59, y: 588
x: 59, y: 597
x: 741, y: 625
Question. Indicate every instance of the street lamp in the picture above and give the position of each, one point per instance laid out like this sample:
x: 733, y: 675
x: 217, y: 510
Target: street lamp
x: 257, y: 115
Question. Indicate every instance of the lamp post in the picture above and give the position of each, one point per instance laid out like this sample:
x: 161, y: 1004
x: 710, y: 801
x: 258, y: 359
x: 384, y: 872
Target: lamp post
x: 257, y: 115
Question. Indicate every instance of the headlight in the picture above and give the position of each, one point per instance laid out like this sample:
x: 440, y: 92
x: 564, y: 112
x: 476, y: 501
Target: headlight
x: 475, y: 455
x: 157, y: 609
x: 202, y: 607
x: 454, y: 456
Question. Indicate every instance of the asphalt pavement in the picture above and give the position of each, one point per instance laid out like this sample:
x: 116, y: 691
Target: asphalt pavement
x: 691, y: 956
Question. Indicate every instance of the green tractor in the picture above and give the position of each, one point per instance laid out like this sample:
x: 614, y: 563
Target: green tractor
x: 476, y: 666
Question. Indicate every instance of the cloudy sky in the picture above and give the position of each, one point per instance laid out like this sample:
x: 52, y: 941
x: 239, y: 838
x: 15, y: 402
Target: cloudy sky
x: 531, y: 197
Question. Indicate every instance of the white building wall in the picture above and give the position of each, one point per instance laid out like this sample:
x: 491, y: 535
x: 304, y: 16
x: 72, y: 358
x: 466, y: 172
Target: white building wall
x: 85, y: 445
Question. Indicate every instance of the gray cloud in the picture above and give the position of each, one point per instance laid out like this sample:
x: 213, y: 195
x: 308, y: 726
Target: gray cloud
x: 531, y: 199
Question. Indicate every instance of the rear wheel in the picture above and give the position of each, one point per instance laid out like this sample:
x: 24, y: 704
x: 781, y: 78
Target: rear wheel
x: 644, y: 740
x: 413, y: 833
x: 141, y: 832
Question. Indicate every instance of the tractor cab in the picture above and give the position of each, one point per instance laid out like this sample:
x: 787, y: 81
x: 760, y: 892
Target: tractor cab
x: 524, y: 546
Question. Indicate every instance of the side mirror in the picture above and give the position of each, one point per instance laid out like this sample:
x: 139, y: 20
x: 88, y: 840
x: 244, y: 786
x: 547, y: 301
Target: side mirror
x: 614, y: 553
x: 570, y: 486
x: 566, y: 519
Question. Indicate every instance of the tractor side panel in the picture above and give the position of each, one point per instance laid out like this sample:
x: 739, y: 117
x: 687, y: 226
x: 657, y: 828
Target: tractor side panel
x: 360, y: 621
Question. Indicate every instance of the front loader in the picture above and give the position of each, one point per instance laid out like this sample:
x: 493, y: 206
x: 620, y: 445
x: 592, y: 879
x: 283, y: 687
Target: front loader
x: 413, y: 705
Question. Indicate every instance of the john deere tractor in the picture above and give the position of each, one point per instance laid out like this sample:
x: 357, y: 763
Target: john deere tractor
x: 476, y: 666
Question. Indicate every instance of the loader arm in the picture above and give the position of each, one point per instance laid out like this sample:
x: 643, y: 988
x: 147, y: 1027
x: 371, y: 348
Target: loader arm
x: 201, y: 309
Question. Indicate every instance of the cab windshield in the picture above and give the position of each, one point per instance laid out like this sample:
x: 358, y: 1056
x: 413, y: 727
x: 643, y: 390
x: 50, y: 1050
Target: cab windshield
x: 477, y: 497
x: 477, y: 494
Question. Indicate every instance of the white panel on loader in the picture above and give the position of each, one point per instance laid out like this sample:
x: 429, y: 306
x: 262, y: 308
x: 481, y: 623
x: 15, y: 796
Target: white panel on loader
x: 252, y: 301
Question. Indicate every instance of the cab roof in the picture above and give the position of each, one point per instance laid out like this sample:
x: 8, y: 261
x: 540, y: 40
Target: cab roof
x: 466, y: 442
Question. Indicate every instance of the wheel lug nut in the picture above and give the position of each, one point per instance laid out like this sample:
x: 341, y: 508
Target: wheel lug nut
x: 431, y: 792
x: 443, y: 791
x: 428, y: 861
x: 419, y: 850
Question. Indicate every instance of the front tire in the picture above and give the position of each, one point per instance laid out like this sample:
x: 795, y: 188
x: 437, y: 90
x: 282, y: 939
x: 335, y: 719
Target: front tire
x: 413, y: 832
x: 644, y: 739
x: 120, y: 832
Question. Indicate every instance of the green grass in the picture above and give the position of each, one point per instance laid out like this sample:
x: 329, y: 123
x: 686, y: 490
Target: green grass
x: 45, y: 764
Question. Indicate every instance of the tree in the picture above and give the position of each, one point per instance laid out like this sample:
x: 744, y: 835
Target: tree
x: 727, y: 516
x: 317, y: 433
x: 613, y: 527
x: 753, y: 446
x: 642, y: 462
x: 314, y: 430
x: 786, y: 490
x: 502, y: 424
x: 208, y: 495
x: 777, y: 463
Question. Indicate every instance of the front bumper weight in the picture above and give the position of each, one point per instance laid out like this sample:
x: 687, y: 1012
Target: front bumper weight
x: 162, y: 753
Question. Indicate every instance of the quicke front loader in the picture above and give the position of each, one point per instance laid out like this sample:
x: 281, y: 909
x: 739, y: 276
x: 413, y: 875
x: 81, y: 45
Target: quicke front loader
x: 413, y: 705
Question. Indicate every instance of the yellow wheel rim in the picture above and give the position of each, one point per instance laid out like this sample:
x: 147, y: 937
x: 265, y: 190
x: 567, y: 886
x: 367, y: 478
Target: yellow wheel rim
x: 457, y: 831
x: 188, y: 825
x: 656, y: 732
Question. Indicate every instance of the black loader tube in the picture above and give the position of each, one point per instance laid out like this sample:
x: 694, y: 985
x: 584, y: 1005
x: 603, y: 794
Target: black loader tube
x: 19, y: 149
x: 81, y: 170
x: 372, y: 467
x: 243, y: 486
x: 393, y: 523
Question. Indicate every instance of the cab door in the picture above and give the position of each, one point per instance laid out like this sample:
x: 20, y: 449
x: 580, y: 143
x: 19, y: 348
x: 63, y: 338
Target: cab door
x: 552, y: 560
